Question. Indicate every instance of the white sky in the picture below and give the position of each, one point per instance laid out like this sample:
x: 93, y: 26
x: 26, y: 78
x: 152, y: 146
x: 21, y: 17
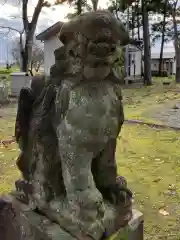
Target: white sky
x: 58, y: 14
x: 48, y: 16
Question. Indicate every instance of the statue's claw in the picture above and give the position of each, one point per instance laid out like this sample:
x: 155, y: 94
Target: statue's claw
x: 118, y: 192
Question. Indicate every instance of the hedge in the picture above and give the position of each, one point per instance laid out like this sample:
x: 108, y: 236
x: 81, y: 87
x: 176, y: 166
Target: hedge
x: 155, y: 73
x: 5, y: 71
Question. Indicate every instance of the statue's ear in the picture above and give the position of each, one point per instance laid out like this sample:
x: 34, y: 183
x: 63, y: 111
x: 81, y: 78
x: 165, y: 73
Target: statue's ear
x: 65, y: 37
x: 66, y: 33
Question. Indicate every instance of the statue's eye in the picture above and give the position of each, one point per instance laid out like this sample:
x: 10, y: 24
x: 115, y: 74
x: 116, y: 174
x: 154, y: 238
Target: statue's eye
x: 71, y: 53
x: 113, y: 48
x: 92, y: 48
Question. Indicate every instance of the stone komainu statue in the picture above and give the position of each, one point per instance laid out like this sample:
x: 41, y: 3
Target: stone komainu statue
x: 68, y: 148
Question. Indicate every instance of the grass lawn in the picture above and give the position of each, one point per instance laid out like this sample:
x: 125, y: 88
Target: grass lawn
x: 141, y: 102
x: 147, y: 157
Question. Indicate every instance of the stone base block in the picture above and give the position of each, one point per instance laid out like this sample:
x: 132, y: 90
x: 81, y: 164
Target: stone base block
x: 134, y: 229
x: 18, y: 81
x: 18, y: 222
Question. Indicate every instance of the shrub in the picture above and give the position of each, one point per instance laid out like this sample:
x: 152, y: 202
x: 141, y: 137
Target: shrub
x: 5, y: 71
x: 155, y: 73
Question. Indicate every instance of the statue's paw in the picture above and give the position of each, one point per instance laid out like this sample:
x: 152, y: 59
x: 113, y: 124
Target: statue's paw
x: 125, y: 189
x: 117, y: 194
x: 123, y: 192
x: 121, y: 181
x: 124, y: 195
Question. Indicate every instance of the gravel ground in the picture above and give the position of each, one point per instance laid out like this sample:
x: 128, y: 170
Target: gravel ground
x: 169, y: 115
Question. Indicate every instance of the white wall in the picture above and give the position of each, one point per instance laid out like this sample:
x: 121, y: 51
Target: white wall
x: 136, y: 56
x: 49, y: 46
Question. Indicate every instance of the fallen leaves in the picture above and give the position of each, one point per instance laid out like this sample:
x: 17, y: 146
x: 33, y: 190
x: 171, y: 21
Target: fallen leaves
x: 163, y: 212
x: 158, y: 179
x: 7, y: 142
x: 172, y: 187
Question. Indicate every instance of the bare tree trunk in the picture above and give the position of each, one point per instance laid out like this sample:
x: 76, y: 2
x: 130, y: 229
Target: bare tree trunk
x: 137, y: 10
x: 162, y: 39
x: 161, y: 54
x: 138, y: 20
x: 26, y: 53
x: 176, y: 44
x: 133, y: 15
x: 147, y: 47
x: 95, y: 4
x: 178, y: 66
x: 29, y: 29
x: 79, y: 7
x: 24, y: 62
x: 127, y: 48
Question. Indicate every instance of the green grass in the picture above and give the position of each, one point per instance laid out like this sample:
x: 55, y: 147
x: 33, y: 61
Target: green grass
x: 8, y: 170
x: 148, y: 158
x: 140, y: 103
x: 8, y: 153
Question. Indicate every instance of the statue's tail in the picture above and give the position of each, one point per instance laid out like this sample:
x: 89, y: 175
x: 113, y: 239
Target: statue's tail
x: 23, y: 116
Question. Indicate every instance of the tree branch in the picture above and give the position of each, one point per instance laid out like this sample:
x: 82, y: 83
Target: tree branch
x: 95, y: 4
x: 12, y: 29
x: 3, y: 3
x: 6, y: 34
x: 36, y: 13
x: 24, y: 14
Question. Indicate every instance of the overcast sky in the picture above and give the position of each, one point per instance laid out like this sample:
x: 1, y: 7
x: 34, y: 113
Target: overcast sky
x: 10, y: 16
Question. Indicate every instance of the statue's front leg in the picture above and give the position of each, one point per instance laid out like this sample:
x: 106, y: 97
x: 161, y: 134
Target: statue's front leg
x: 104, y: 169
x: 77, y: 151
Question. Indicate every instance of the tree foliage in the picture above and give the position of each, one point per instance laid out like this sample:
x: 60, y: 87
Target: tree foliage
x: 37, y: 58
x: 81, y: 6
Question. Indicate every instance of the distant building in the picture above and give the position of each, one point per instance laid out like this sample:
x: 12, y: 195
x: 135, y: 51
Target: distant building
x: 135, y: 61
x: 168, y: 64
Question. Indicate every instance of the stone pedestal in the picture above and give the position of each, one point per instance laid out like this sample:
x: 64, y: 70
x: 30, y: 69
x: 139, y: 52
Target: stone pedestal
x: 18, y: 81
x: 18, y: 222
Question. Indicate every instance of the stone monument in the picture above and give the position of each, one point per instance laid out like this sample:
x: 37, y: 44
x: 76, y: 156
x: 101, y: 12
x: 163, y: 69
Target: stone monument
x: 67, y: 136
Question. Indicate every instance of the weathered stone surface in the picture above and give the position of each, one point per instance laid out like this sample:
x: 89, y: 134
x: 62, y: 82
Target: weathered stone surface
x: 68, y: 141
x: 19, y: 222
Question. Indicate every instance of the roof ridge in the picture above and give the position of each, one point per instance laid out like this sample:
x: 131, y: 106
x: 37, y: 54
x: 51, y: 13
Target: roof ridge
x: 50, y: 31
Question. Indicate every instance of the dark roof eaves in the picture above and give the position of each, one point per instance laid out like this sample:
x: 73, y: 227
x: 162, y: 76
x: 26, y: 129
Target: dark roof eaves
x: 49, y: 32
